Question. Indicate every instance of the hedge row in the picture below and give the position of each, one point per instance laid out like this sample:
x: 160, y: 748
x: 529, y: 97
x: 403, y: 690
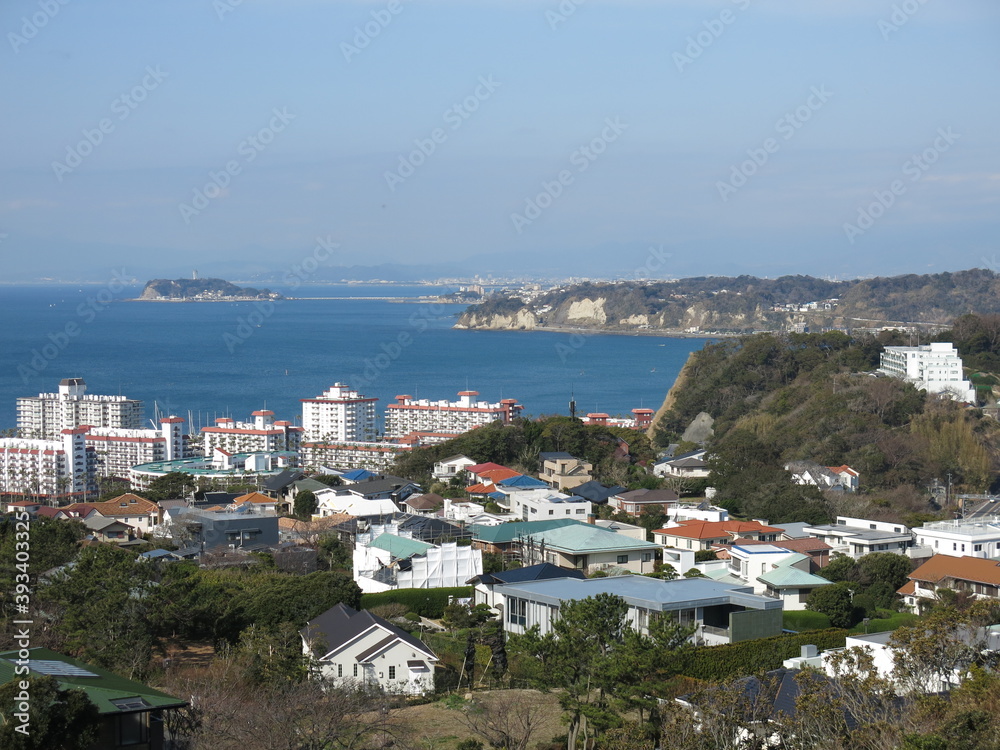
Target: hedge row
x: 752, y: 657
x: 804, y: 619
x: 425, y: 602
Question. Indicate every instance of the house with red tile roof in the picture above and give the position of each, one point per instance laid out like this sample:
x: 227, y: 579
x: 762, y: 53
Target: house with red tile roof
x: 134, y: 511
x: 975, y: 576
x: 260, y: 503
x: 702, y: 535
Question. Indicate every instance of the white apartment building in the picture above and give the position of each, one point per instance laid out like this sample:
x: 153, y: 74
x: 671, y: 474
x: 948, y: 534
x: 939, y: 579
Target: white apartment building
x: 46, y: 415
x: 936, y: 368
x: 446, y: 417
x: 377, y: 457
x: 263, y: 434
x: 962, y: 537
x: 118, y: 450
x: 52, y: 469
x: 339, y: 414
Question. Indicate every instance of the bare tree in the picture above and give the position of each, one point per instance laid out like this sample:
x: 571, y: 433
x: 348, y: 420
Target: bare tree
x: 506, y: 719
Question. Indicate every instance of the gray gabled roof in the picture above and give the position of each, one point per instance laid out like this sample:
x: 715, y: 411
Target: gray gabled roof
x: 340, y: 624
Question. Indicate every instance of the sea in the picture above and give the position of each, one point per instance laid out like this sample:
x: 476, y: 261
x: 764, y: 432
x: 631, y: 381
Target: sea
x: 204, y: 360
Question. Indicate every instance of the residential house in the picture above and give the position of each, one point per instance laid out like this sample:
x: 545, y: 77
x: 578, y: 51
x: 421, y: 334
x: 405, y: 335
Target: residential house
x: 506, y: 538
x: 353, y: 649
x: 703, y: 535
x: 259, y: 502
x: 208, y: 530
x: 131, y: 714
x: 719, y: 612
x: 484, y: 585
x: 773, y: 571
x: 817, y: 551
x: 590, y: 549
x: 424, y: 505
x: 562, y: 471
x: 825, y: 477
x: 137, y: 512
x: 857, y: 537
x: 597, y: 493
x: 538, y: 503
x: 975, y: 576
x: 636, y: 501
x: 685, y: 466
x: 448, y: 468
x: 961, y: 537
x: 110, y: 530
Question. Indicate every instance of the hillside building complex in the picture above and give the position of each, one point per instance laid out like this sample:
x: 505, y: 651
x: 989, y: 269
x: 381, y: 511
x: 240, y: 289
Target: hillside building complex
x: 446, y: 418
x: 935, y: 368
x: 46, y: 415
x: 340, y: 415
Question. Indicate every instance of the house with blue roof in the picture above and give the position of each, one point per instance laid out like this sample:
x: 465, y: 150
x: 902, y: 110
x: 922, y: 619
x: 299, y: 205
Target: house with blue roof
x: 484, y: 584
x: 719, y: 612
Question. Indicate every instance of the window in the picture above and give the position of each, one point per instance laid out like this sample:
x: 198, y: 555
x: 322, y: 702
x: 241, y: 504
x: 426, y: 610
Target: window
x: 392, y: 673
x: 355, y: 670
x: 622, y: 559
x: 340, y: 670
x: 647, y: 556
x: 977, y: 548
x: 133, y: 728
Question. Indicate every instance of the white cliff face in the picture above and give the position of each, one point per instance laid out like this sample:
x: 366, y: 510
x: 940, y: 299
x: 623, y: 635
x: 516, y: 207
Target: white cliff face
x: 635, y: 320
x: 522, y: 320
x: 587, y: 311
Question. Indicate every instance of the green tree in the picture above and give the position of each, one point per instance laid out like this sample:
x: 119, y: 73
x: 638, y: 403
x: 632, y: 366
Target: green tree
x: 173, y: 485
x: 57, y: 719
x: 305, y: 505
x: 836, y: 601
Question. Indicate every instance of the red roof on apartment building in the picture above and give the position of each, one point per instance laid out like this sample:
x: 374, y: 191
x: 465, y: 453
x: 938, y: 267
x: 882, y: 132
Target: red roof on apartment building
x: 717, y: 529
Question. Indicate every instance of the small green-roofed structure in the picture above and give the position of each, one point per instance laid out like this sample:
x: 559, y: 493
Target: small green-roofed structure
x: 105, y: 689
x: 785, y: 575
x: 400, y: 547
x: 131, y: 714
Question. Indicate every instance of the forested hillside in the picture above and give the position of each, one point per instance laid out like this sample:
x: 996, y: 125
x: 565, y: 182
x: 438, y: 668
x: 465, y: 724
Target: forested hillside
x: 745, y: 303
x: 780, y: 398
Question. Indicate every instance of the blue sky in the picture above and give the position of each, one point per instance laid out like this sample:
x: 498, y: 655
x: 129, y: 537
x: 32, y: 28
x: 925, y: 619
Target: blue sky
x: 819, y: 107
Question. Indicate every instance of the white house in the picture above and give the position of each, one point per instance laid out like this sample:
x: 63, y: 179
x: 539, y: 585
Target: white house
x: 857, y: 537
x: 824, y: 477
x: 774, y: 572
x: 962, y: 537
x: 357, y: 649
x: 686, y: 466
x: 538, y: 504
x: 448, y: 468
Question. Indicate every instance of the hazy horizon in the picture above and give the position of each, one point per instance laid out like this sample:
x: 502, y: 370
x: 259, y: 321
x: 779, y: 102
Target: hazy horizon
x: 843, y: 138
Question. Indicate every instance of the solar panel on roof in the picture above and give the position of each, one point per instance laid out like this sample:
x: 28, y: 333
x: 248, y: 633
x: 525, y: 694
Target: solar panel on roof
x: 58, y: 668
x: 130, y: 704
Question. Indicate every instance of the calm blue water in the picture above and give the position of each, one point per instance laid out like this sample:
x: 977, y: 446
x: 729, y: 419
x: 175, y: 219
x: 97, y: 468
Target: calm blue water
x: 216, y: 359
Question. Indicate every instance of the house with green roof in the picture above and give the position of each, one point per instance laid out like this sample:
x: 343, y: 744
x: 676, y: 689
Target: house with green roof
x: 392, y: 561
x: 131, y: 713
x: 773, y: 571
x: 506, y: 536
x: 589, y: 548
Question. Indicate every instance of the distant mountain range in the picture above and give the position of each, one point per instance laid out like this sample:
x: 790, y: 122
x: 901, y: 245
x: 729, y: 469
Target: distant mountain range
x: 742, y: 304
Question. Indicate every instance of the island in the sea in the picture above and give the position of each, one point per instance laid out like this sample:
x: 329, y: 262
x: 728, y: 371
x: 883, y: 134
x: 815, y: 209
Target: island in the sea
x: 201, y: 290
